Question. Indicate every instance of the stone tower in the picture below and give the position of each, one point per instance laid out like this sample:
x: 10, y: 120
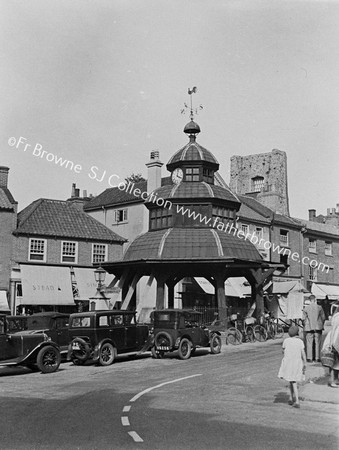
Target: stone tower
x: 262, y: 176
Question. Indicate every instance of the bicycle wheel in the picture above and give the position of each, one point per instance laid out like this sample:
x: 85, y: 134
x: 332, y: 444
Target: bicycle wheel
x: 233, y: 336
x: 279, y: 331
x: 249, y: 332
x: 260, y: 333
x: 270, y: 331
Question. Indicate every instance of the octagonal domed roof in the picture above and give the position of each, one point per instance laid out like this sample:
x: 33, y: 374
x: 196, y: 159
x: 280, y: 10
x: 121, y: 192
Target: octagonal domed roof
x: 192, y: 152
x: 182, y: 244
x: 194, y: 189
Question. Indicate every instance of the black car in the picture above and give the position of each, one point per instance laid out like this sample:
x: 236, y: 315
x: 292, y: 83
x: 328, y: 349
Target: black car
x: 29, y: 350
x: 182, y: 330
x: 101, y: 335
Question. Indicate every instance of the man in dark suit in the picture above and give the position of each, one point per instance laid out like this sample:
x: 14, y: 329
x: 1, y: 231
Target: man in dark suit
x: 314, y: 318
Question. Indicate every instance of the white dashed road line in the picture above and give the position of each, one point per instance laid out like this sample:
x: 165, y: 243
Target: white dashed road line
x: 125, y: 420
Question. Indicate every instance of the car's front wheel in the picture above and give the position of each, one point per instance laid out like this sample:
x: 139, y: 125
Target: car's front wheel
x: 215, y: 344
x: 48, y: 359
x: 107, y: 354
x: 185, y: 348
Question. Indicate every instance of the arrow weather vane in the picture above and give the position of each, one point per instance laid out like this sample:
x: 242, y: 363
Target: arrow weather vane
x: 186, y: 107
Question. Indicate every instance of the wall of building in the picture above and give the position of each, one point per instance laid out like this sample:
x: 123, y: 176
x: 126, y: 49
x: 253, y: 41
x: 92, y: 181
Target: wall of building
x: 137, y: 220
x: 53, y: 256
x: 7, y: 226
x: 328, y: 266
x: 294, y: 247
x: 273, y: 168
x: 252, y: 230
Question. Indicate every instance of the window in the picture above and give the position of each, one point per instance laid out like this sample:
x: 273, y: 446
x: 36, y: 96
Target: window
x: 37, y: 250
x: 120, y: 215
x: 160, y: 218
x: 312, y: 245
x: 192, y: 174
x: 259, y: 233
x: 257, y: 184
x: 69, y: 252
x: 208, y: 175
x: 245, y: 229
x: 224, y: 214
x: 328, y: 248
x: 312, y: 273
x: 284, y: 238
x: 99, y: 253
x: 284, y: 260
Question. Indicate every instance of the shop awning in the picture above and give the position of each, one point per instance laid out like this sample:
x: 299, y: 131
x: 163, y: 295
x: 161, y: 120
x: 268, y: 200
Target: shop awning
x: 234, y: 286
x: 321, y: 291
x: 86, y: 284
x: 284, y: 287
x: 45, y: 285
x: 3, y: 301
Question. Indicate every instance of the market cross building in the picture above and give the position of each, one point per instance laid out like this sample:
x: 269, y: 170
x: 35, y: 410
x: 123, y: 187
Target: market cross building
x: 192, y: 233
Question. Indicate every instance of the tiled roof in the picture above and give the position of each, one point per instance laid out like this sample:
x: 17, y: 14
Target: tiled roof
x: 114, y: 196
x: 195, y: 189
x: 247, y: 213
x: 322, y: 227
x: 193, y: 152
x: 58, y: 218
x: 256, y: 206
x: 266, y: 212
x: 190, y: 243
x: 6, y: 199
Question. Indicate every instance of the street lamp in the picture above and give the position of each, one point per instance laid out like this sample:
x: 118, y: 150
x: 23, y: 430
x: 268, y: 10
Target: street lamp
x: 100, y: 275
x: 100, y: 301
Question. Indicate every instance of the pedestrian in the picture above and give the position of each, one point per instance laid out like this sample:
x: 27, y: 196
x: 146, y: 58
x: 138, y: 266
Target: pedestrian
x: 331, y: 345
x: 314, y: 318
x: 293, y: 364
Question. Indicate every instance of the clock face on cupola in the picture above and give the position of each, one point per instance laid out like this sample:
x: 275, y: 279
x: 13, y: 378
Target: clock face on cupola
x: 177, y: 175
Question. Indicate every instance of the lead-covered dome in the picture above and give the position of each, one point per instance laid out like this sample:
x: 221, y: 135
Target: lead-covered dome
x: 187, y: 244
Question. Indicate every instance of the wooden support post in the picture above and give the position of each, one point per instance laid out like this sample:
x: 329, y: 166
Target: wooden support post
x: 130, y: 291
x: 170, y: 287
x: 221, y: 298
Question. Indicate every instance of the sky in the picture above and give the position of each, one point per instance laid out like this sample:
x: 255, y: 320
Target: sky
x: 101, y: 83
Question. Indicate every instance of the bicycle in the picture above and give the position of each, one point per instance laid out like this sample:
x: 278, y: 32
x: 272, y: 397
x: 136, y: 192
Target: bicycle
x: 273, y: 328
x: 236, y: 336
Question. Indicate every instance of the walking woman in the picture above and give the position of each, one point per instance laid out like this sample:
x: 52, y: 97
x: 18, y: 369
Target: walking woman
x: 293, y: 365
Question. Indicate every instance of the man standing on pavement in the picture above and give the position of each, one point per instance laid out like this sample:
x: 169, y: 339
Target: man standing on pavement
x: 314, y: 318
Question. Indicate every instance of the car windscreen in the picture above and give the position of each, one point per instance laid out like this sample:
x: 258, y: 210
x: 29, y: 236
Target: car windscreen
x: 83, y: 321
x: 38, y: 323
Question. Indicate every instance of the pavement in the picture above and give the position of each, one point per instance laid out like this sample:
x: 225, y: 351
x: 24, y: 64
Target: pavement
x: 315, y: 387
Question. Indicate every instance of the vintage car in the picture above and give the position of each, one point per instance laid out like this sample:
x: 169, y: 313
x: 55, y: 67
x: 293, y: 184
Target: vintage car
x: 53, y: 324
x: 16, y: 323
x: 102, y: 335
x: 182, y: 330
x: 29, y: 350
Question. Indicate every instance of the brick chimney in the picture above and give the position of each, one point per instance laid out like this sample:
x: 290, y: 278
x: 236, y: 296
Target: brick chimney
x: 311, y: 214
x: 154, y: 171
x: 4, y: 176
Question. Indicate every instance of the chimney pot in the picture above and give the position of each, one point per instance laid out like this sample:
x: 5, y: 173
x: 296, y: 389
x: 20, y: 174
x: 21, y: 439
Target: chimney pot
x: 84, y: 193
x: 77, y: 192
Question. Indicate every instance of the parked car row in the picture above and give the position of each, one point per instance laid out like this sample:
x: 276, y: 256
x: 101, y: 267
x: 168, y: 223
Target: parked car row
x: 99, y: 336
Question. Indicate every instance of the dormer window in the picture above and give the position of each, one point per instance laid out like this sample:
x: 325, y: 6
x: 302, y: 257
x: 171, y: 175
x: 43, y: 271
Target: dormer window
x: 192, y: 174
x: 257, y: 184
x: 208, y: 175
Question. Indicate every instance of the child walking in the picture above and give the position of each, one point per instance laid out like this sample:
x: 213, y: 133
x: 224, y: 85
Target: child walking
x: 293, y: 365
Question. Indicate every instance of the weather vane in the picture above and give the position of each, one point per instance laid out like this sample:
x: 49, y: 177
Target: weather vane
x: 191, y: 109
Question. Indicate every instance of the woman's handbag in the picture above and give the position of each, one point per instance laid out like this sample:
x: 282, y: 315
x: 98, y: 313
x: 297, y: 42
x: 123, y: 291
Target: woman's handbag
x: 327, y: 357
